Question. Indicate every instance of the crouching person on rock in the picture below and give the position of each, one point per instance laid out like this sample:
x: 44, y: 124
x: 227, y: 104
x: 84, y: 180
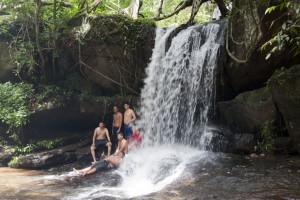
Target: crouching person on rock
x: 100, y: 139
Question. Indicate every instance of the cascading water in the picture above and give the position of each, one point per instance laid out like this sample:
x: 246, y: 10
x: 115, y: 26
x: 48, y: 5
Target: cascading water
x: 179, y: 90
x: 176, y: 102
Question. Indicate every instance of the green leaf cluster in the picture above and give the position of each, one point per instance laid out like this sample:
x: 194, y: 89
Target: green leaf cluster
x: 36, y: 146
x: 266, y: 142
x: 15, y: 110
x: 288, y: 36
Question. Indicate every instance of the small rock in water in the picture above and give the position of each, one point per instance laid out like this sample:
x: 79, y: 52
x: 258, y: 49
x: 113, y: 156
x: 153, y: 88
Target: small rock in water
x: 253, y: 155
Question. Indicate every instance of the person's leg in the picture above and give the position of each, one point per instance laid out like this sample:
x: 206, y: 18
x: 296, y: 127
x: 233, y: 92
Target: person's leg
x: 114, y: 160
x: 82, y: 170
x: 126, y: 131
x: 91, y: 171
x: 93, y: 153
x: 108, y: 148
x: 114, y: 139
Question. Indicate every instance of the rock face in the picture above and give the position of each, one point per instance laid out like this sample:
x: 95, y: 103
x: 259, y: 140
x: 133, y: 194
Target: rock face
x: 249, y: 28
x: 74, y: 116
x: 46, y: 159
x: 285, y: 90
x: 6, y: 65
x: 5, y: 157
x: 64, y: 155
x: 248, y: 111
x: 243, y: 143
x: 115, y: 52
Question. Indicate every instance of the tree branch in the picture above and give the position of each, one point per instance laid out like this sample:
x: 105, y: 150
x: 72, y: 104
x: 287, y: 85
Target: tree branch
x: 4, y: 13
x: 62, y: 3
x: 159, y: 11
x: 196, y: 5
x: 182, y: 5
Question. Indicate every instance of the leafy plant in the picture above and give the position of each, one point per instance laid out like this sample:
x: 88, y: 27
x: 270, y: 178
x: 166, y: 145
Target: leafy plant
x: 15, y: 107
x: 35, y: 146
x: 288, y: 35
x: 14, y: 162
x: 266, y: 142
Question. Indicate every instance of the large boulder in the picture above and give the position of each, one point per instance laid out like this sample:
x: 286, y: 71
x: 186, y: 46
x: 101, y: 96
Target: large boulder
x: 285, y: 90
x: 248, y: 111
x: 46, y: 159
x: 60, y: 156
x: 5, y: 157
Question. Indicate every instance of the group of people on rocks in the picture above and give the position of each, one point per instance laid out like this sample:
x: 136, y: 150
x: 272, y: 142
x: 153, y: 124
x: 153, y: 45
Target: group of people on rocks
x: 117, y: 142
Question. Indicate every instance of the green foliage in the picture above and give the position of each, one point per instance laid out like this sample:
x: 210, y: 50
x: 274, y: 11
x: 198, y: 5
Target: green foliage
x: 118, y: 29
x: 36, y: 146
x: 53, y: 94
x: 288, y: 37
x: 14, y: 162
x: 15, y: 107
x: 266, y: 142
x: 23, y: 57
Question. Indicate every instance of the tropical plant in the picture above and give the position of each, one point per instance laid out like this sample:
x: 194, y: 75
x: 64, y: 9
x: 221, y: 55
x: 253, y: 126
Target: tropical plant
x: 288, y: 35
x: 15, y: 107
x: 266, y: 141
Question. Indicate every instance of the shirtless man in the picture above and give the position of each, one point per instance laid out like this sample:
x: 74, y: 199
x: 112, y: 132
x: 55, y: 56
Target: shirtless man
x: 116, y: 127
x: 100, y: 138
x: 129, y: 117
x: 108, y: 162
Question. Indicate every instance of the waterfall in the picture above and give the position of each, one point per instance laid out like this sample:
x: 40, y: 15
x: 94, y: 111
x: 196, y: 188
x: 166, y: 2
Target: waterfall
x: 179, y: 92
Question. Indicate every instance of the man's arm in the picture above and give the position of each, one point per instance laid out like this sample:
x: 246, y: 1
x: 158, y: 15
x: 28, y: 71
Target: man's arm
x: 94, y: 137
x: 107, y: 135
x: 133, y: 116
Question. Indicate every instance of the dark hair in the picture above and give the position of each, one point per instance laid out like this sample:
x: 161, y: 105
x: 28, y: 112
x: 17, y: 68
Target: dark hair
x: 102, y: 122
x: 127, y: 102
x: 121, y: 133
x: 116, y: 107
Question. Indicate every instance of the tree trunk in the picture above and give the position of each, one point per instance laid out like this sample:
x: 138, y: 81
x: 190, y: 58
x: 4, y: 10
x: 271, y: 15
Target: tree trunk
x: 133, y: 9
x: 54, y: 39
x: 38, y: 7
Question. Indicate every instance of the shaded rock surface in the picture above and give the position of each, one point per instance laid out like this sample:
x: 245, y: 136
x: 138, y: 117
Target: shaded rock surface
x: 243, y: 143
x: 224, y: 140
x: 46, y: 159
x: 59, y: 156
x: 249, y: 28
x: 5, y: 157
x: 248, y: 111
x: 115, y: 52
x: 6, y: 64
x: 74, y: 116
x: 285, y: 90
